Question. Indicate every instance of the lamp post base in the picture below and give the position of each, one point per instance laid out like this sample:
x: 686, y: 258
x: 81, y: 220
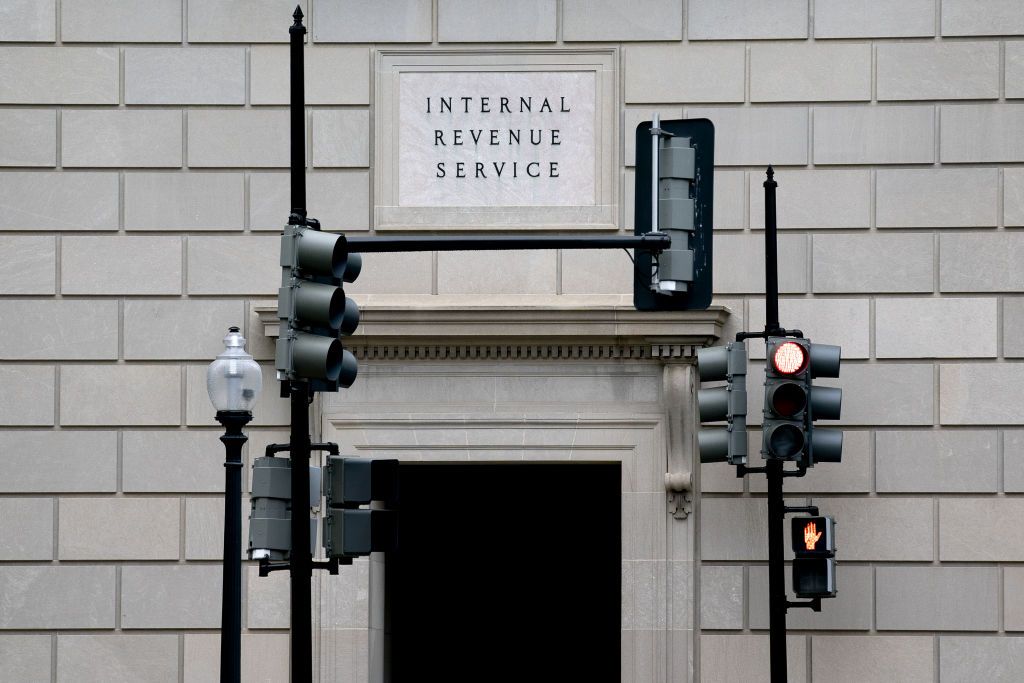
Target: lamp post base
x: 231, y: 600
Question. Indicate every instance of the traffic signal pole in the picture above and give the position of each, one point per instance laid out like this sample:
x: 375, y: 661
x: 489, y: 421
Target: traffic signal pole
x: 777, y: 598
x: 776, y: 506
x: 773, y: 468
x: 771, y: 256
x: 298, y: 113
x: 778, y: 601
x: 300, y: 563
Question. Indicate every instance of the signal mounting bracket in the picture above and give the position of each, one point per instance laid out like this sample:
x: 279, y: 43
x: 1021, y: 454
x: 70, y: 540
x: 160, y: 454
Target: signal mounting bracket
x: 814, y: 604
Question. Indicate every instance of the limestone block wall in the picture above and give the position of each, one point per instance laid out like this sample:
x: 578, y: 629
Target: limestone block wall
x: 144, y: 151
x: 897, y: 129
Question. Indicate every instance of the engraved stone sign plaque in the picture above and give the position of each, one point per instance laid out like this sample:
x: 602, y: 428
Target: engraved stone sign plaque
x: 496, y: 139
x: 516, y: 140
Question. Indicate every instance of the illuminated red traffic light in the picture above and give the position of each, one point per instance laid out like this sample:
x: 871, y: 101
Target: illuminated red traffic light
x: 789, y: 358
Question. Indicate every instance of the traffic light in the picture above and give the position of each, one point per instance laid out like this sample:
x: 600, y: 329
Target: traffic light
x: 792, y: 403
x: 675, y: 173
x: 814, y: 564
x: 350, y: 530
x: 270, y: 534
x: 729, y: 443
x: 313, y: 308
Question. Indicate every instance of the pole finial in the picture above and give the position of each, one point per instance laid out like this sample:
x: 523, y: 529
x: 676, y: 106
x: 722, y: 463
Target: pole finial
x: 297, y: 27
x: 771, y: 172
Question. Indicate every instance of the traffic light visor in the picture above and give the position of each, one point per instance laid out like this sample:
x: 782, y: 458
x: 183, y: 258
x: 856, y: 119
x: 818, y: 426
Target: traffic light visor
x: 713, y: 445
x: 349, y: 369
x: 825, y: 359
x: 713, y: 404
x: 713, y: 363
x: 318, y: 357
x: 323, y: 253
x: 320, y: 304
x: 826, y: 403
x: 827, y: 445
x: 353, y: 266
x: 350, y: 320
x: 789, y: 358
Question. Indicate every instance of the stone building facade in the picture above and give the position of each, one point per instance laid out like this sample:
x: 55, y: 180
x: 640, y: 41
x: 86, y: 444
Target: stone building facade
x: 144, y: 148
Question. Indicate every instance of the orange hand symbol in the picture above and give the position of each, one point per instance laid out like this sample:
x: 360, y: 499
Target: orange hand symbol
x: 810, y: 537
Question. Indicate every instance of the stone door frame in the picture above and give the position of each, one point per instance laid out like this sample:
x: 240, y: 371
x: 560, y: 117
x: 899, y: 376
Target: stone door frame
x: 650, y: 432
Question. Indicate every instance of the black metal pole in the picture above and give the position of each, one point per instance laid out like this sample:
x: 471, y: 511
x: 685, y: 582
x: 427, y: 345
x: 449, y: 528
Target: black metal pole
x: 646, y: 242
x: 773, y: 469
x: 776, y: 573
x: 298, y: 114
x: 301, y: 559
x: 771, y: 255
x: 231, y: 596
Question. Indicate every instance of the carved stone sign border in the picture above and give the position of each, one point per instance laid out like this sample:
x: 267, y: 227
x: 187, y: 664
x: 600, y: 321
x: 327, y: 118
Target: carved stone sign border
x: 602, y: 214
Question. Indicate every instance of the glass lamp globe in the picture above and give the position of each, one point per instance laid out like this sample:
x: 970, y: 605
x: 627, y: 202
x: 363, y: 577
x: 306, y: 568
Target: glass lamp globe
x: 234, y: 379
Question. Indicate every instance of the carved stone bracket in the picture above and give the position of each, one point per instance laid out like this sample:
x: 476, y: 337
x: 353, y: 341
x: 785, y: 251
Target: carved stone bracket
x: 680, y: 491
x: 425, y: 332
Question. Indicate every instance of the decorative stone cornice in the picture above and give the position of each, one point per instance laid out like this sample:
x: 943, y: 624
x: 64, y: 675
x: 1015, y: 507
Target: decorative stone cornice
x: 424, y: 330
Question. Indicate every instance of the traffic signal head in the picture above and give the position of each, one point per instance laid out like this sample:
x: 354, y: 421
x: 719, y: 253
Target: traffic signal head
x: 270, y: 534
x: 786, y: 390
x: 349, y: 530
x: 814, y: 564
x: 351, y: 482
x: 313, y: 308
x: 792, y: 403
x: 729, y: 403
x: 674, y: 188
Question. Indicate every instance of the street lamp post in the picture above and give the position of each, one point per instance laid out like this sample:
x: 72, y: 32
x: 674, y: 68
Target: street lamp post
x: 233, y: 381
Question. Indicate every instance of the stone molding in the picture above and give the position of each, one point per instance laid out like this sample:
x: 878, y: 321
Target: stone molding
x: 503, y: 332
x: 635, y: 439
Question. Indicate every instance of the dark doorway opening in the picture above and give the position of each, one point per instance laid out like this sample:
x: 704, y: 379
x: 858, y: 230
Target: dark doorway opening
x: 505, y: 572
